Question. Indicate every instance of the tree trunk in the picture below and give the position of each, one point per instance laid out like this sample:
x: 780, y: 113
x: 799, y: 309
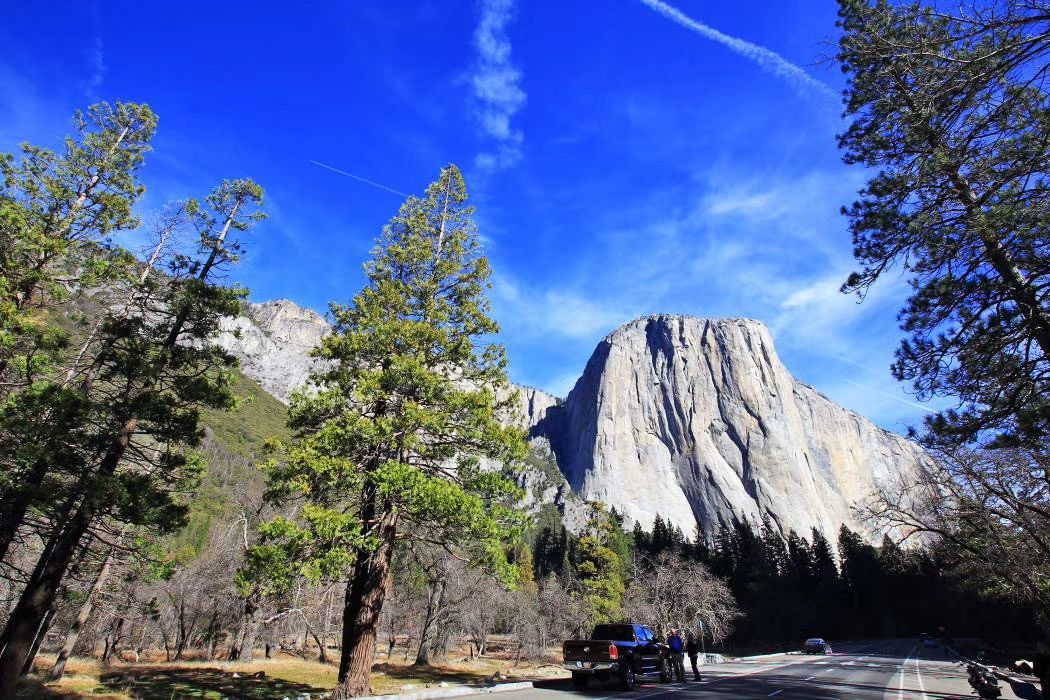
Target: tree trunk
x: 322, y: 653
x: 112, y: 640
x: 364, y: 603
x: 37, y: 641
x: 244, y: 643
x: 73, y: 635
x: 42, y: 587
x: 435, y: 601
x: 13, y: 510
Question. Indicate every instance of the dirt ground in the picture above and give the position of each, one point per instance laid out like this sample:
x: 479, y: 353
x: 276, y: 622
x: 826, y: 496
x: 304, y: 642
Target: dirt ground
x: 283, y: 675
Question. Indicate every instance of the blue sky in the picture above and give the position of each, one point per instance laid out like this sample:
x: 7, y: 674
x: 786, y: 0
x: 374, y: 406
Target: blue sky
x: 623, y: 160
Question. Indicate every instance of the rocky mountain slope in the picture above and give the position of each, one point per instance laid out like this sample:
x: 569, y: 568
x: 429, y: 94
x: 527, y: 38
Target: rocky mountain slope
x: 692, y: 419
x: 697, y: 420
x: 273, y: 342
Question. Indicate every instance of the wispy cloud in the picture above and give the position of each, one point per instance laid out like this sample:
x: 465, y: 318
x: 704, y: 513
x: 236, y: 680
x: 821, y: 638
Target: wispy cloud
x: 770, y: 61
x: 496, y: 87
x: 98, y: 69
x: 558, y: 312
x: 771, y: 248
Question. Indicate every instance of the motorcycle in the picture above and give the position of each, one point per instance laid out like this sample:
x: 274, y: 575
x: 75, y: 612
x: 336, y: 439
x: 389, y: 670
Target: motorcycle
x: 983, y: 682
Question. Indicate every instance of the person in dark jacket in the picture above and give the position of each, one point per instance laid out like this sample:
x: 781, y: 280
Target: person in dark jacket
x: 677, y: 646
x: 692, y: 650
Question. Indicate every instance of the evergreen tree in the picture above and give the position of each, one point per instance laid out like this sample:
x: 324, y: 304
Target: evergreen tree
x: 825, y: 579
x: 390, y: 438
x: 661, y: 536
x: 151, y: 370
x: 726, y: 552
x: 601, y: 561
x: 57, y: 212
x: 699, y: 549
x: 862, y: 583
x: 642, y: 540
x: 950, y: 113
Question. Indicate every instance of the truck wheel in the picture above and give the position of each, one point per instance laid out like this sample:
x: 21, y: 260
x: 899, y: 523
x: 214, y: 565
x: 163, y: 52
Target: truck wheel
x: 579, y: 680
x: 627, y: 678
x: 665, y: 671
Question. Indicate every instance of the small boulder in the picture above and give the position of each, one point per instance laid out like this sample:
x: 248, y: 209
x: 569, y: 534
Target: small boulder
x: 443, y: 684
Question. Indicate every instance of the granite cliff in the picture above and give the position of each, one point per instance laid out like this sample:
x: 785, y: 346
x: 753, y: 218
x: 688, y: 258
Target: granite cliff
x: 273, y: 341
x: 697, y: 420
x: 694, y: 419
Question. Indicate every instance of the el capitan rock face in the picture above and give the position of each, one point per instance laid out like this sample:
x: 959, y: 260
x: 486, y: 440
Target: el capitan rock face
x: 692, y: 419
x: 698, y: 421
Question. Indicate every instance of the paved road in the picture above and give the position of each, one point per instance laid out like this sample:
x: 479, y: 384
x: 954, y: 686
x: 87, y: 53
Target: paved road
x: 900, y: 669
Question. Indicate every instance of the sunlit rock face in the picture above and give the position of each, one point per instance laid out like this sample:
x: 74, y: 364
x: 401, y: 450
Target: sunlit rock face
x: 273, y: 343
x: 697, y: 420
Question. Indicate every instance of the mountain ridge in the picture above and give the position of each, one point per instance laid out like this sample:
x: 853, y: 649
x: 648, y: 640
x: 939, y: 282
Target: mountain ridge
x: 691, y: 418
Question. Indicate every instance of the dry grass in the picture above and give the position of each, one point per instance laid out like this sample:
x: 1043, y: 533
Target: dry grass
x: 284, y: 675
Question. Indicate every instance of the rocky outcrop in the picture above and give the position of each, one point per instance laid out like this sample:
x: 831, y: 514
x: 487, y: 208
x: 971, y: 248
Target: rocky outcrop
x: 273, y: 343
x: 697, y: 420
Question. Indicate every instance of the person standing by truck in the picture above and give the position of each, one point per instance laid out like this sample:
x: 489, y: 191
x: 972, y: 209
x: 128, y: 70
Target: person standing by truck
x: 692, y: 648
x: 676, y: 646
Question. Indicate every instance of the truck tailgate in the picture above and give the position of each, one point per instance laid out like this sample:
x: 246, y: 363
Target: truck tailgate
x: 587, y: 650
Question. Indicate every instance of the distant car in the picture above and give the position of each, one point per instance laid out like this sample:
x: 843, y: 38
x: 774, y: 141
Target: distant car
x: 816, y: 645
x: 928, y: 640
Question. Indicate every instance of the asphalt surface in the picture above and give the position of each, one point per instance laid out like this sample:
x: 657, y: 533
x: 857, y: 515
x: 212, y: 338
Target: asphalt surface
x: 899, y: 669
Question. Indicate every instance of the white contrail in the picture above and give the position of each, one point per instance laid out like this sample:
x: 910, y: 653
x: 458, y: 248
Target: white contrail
x: 360, y: 179
x: 769, y: 60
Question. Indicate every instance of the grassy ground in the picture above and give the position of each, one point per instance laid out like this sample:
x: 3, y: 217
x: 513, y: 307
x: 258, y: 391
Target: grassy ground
x: 285, y: 676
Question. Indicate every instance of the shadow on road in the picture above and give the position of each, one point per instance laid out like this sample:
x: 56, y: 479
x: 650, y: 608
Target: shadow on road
x: 1025, y: 690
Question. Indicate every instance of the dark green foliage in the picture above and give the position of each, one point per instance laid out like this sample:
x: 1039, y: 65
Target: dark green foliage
x: 791, y: 589
x: 601, y: 558
x: 948, y: 108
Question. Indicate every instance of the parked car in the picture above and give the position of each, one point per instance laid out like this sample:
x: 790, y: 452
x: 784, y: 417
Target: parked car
x: 620, y: 651
x: 816, y: 645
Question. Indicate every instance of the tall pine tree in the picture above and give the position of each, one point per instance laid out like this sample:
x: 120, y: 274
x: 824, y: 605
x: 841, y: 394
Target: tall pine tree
x: 390, y: 437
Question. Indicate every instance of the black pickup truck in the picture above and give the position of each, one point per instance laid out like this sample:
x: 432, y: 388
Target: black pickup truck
x: 622, y: 651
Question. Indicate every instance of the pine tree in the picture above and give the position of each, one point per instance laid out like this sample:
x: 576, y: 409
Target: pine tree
x: 57, y: 213
x: 389, y: 438
x: 601, y: 561
x: 661, y: 536
x: 151, y: 370
x: 642, y: 540
x: 949, y: 113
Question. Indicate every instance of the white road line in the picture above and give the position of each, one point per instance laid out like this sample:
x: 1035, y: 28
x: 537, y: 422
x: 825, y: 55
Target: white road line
x: 904, y: 673
x: 775, y: 692
x: 918, y: 674
x: 809, y: 679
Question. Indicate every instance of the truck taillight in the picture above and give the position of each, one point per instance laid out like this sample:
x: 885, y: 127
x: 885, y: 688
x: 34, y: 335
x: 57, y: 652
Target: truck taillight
x: 612, y: 651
